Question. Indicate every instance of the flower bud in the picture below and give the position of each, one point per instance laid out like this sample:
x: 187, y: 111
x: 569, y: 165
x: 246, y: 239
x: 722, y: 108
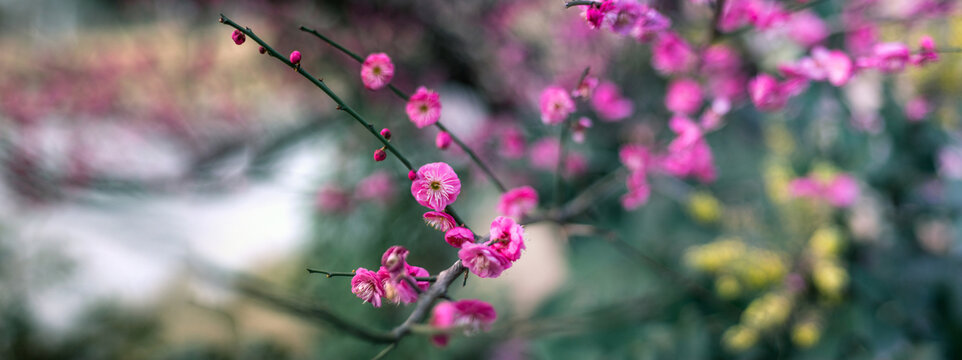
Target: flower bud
x: 296, y: 58
x: 386, y: 133
x: 443, y: 141
x: 412, y: 175
x: 380, y: 155
x: 238, y: 37
x: 261, y: 50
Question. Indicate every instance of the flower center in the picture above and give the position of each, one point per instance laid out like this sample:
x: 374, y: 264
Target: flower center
x: 435, y: 185
x: 424, y: 108
x: 376, y: 70
x: 364, y: 290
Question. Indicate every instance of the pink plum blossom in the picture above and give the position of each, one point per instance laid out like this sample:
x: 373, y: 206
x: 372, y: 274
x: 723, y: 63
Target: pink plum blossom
x: 436, y: 186
x: 399, y: 290
x: 238, y: 37
x: 377, y: 71
x: 926, y: 53
x: 766, y: 93
x: 671, y: 54
x: 458, y: 236
x: 556, y: 105
x: 443, y: 140
x: 807, y: 29
x: 394, y: 260
x: 610, y: 104
x: 482, y: 260
x: 545, y: 153
x: 368, y: 285
x: 638, y: 191
x: 585, y: 88
x: 635, y: 157
x: 470, y: 315
x: 693, y: 159
x: 512, y: 143
x: 439, y: 220
x: 890, y: 57
x: 840, y: 190
x: 295, y: 57
x: 424, y: 107
x: 518, y: 201
x: 684, y: 96
x: 507, y: 237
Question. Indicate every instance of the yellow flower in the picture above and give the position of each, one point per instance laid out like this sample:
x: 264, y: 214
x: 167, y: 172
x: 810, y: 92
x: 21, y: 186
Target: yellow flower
x: 829, y: 278
x: 739, y: 338
x: 826, y: 242
x: 806, y: 333
x: 727, y: 287
x: 767, y: 311
x: 704, y: 207
x: 713, y: 256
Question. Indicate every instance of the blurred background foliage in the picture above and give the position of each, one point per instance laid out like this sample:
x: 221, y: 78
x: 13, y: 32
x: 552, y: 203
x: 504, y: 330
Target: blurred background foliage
x: 118, y: 115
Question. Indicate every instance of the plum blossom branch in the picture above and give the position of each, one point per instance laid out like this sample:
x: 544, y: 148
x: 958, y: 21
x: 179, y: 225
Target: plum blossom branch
x: 403, y: 96
x: 579, y: 2
x: 331, y: 274
x: 330, y: 93
x: 426, y: 301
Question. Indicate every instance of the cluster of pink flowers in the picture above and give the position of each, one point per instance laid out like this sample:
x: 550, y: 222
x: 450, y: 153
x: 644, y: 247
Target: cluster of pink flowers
x: 470, y: 315
x: 489, y: 259
x: 392, y: 281
x: 626, y: 18
x: 839, y: 190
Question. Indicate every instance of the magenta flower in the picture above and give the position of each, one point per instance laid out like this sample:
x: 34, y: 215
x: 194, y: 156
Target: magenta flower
x: 377, y: 186
x: 471, y: 315
x: 766, y: 93
x: 638, y: 191
x: 635, y: 157
x: 238, y: 37
x: 368, y: 285
x: 443, y: 141
x: 609, y: 104
x: 518, y: 201
x: 400, y: 291
x: 439, y: 220
x: 838, y: 67
x: 890, y: 57
x: 585, y: 88
x: 507, y: 237
x: 377, y: 71
x: 424, y: 107
x: 807, y: 29
x: 684, y: 96
x: 545, y: 154
x: 394, y: 260
x: 596, y: 16
x: 672, y: 55
x: 556, y: 105
x: 458, y: 236
x: 694, y: 159
x: 926, y: 53
x: 295, y: 57
x: 512, y: 143
x: 483, y: 260
x: 839, y: 191
x: 436, y: 186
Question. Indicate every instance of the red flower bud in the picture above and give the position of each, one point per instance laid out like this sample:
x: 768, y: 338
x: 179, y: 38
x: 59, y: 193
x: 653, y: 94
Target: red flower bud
x: 238, y: 37
x: 386, y: 133
x: 380, y: 155
x: 412, y: 175
x: 296, y: 57
x: 261, y: 50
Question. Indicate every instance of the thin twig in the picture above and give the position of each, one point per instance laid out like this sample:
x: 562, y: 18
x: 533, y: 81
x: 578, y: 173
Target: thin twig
x: 384, y: 352
x: 579, y: 2
x: 403, y: 96
x: 426, y: 301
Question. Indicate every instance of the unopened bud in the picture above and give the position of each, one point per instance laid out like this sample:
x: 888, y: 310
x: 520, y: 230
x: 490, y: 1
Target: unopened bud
x: 386, y: 133
x: 443, y: 141
x: 412, y: 175
x: 380, y: 155
x: 238, y: 37
x: 296, y: 57
x: 261, y: 50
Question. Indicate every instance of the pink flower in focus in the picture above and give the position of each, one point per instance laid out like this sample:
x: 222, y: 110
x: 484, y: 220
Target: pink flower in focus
x: 483, y: 260
x: 377, y: 71
x: 766, y: 93
x: 596, y: 15
x: 400, y: 288
x: 443, y: 140
x: 439, y: 220
x: 672, y: 55
x: 458, y: 236
x: 556, y: 105
x: 684, y: 96
x: 471, y: 315
x: 518, y: 201
x: 424, y: 107
x: 295, y: 57
x: 238, y: 37
x: 368, y: 286
x: 807, y: 29
x: 635, y: 157
x: 436, y: 186
x: 609, y: 104
x: 394, y: 260
x: 507, y: 237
